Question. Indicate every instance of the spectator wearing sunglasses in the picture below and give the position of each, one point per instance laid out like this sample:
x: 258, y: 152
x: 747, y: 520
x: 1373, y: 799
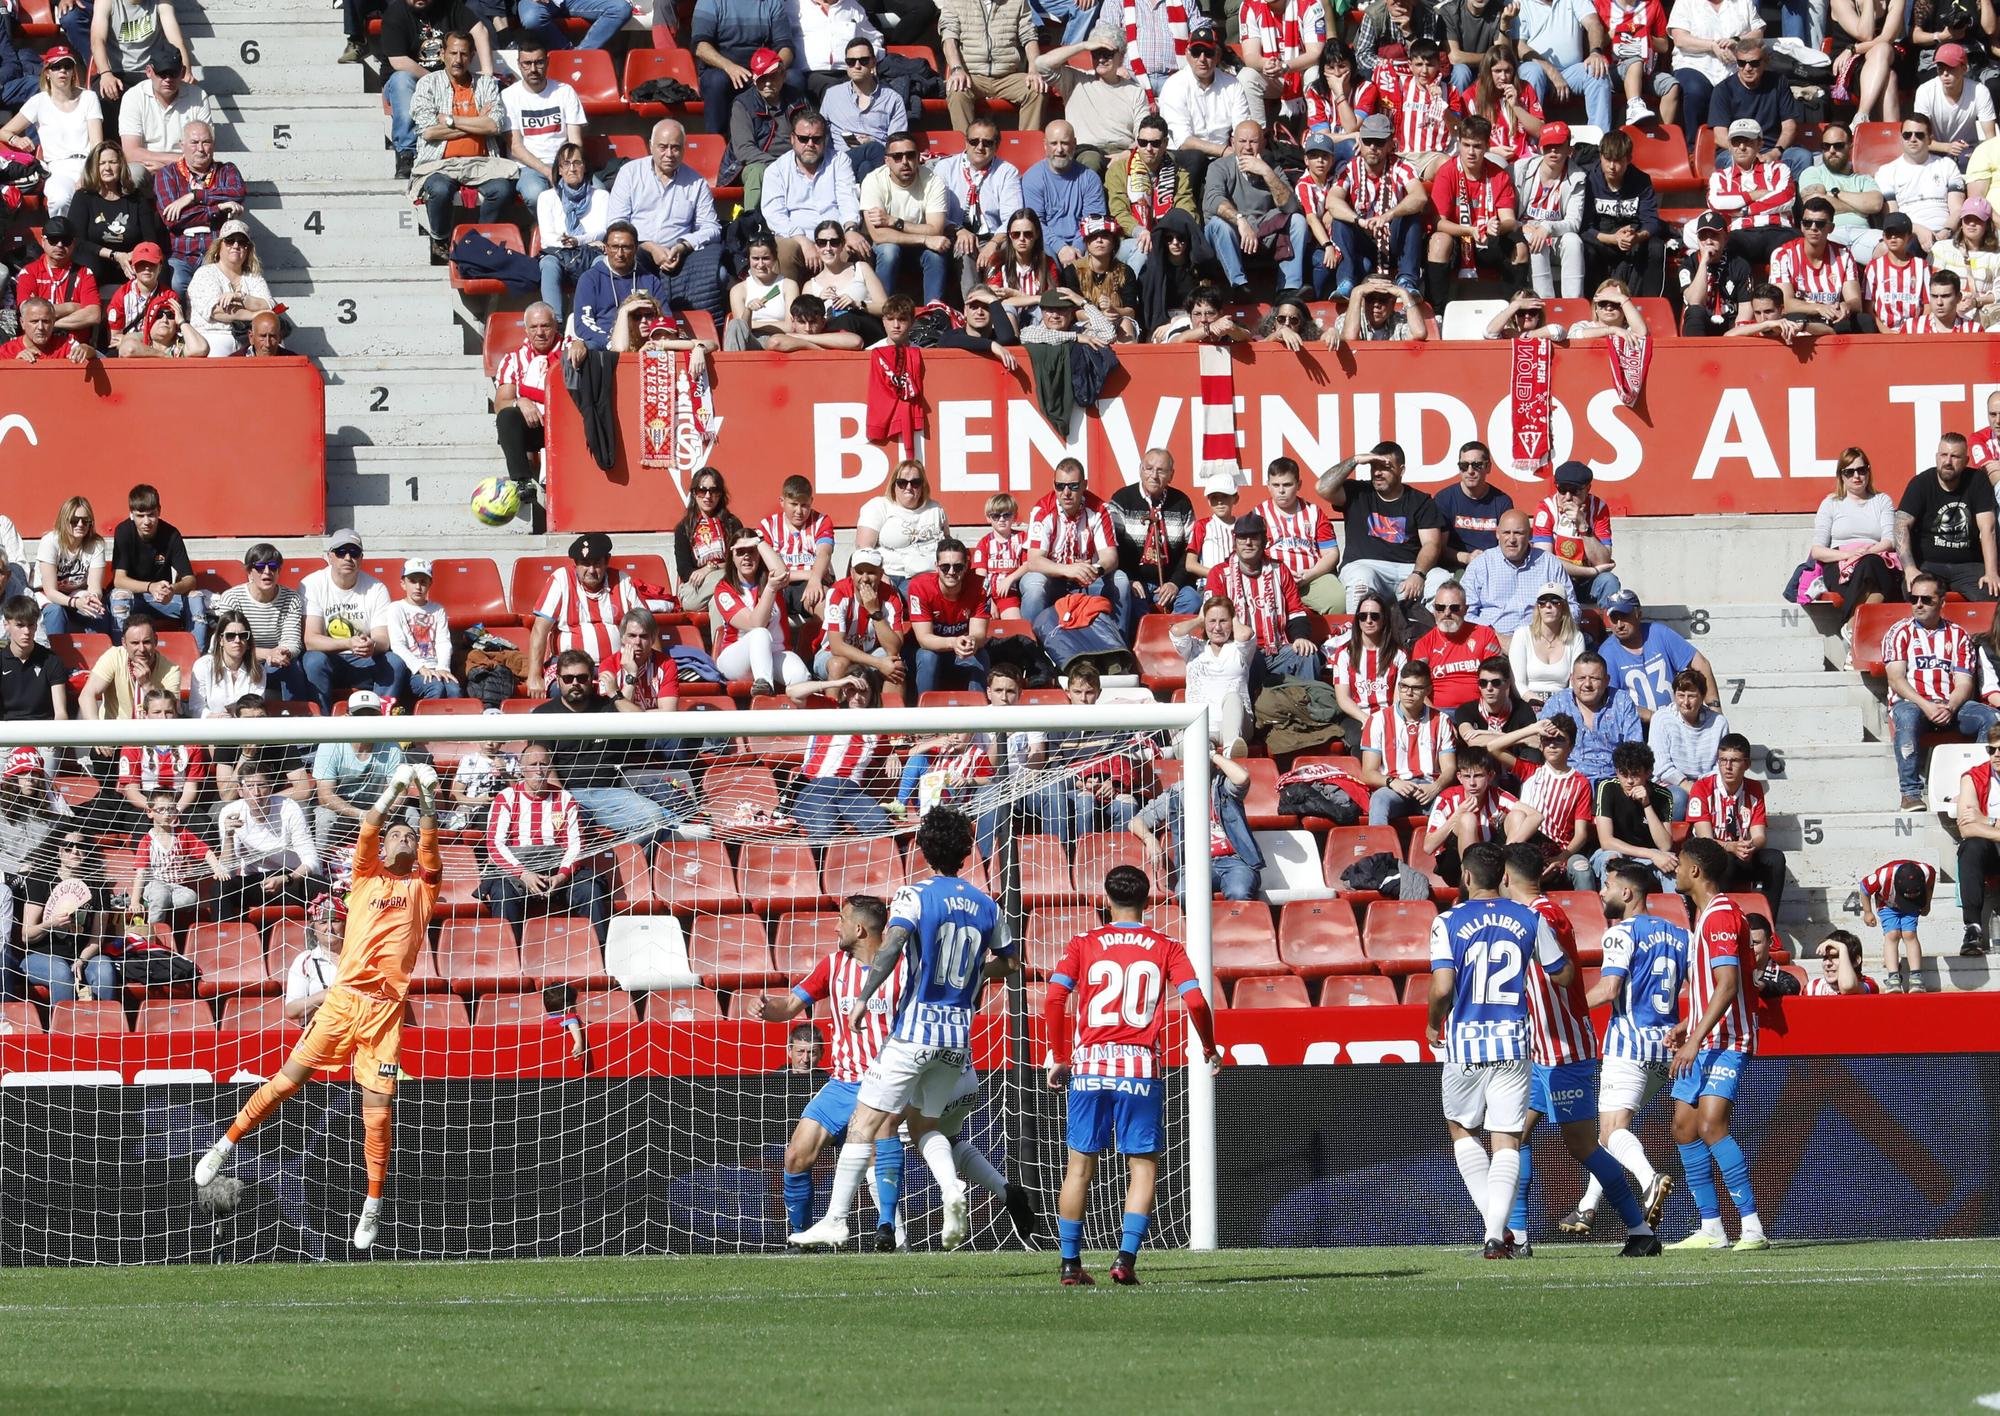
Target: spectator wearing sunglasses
x: 1103, y: 106
x: 1142, y: 186
x: 903, y: 209
x: 59, y: 278
x: 1925, y: 186
x: 1754, y: 91
x: 67, y: 121
x: 347, y: 627
x: 1856, y: 197
x: 863, y: 111
x: 1931, y: 667
x: 804, y: 189
x: 276, y: 614
x: 981, y: 190
x: 1202, y: 103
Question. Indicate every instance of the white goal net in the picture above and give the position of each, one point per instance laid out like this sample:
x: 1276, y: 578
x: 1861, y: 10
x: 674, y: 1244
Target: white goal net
x: 595, y: 1057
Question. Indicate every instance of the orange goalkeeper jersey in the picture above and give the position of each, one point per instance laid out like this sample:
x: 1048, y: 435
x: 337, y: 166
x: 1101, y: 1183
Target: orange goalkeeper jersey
x: 387, y: 916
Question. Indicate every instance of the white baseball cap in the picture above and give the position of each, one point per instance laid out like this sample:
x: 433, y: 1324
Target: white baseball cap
x: 1222, y: 484
x: 364, y: 700
x: 417, y: 567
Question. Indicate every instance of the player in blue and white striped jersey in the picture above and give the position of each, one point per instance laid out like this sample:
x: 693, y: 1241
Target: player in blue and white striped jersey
x: 1479, y: 956
x: 1645, y: 962
x: 946, y: 929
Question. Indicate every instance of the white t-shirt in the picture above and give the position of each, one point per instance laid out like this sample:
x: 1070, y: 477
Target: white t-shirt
x: 359, y: 610
x: 420, y: 635
x: 72, y: 567
x: 1215, y: 676
x: 1705, y: 21
x: 207, y: 289
x: 1921, y: 191
x: 1955, y: 122
x: 907, y: 538
x: 313, y: 971
x: 63, y: 136
x: 542, y: 119
x: 1210, y: 114
x: 159, y: 127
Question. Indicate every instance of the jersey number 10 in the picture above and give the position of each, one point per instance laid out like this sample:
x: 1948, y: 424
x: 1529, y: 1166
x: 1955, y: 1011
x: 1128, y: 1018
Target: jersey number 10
x: 1120, y: 991
x: 958, y: 952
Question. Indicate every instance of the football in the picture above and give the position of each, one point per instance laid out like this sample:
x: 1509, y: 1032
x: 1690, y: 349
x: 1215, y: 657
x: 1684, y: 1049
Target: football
x: 495, y: 501
x: 220, y: 1196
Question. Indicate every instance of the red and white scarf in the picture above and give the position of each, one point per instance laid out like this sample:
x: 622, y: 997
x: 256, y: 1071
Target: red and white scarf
x: 1630, y: 358
x: 1530, y: 389
x: 1216, y: 417
x: 676, y: 415
x: 1177, y: 24
x: 1151, y: 197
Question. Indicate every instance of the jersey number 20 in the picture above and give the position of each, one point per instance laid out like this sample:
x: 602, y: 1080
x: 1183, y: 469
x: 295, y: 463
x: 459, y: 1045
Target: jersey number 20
x: 1119, y: 991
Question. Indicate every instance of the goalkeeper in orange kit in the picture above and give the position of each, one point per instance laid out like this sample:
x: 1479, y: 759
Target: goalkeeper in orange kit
x: 397, y: 874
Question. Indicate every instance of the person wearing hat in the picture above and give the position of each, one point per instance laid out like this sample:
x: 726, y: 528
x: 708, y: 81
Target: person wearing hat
x: 160, y: 334
x: 726, y: 38
x: 420, y: 637
x: 1715, y: 281
x: 154, y: 116
x: 1896, y: 281
x: 66, y: 283
x: 1819, y: 279
x: 67, y: 121
x: 228, y: 291
x: 1645, y: 657
x: 195, y: 197
x: 1575, y: 525
x: 761, y: 129
x: 1105, y: 282
x: 350, y: 776
x: 1961, y: 113
x: 581, y: 606
x: 1973, y: 255
x: 346, y: 628
x: 1202, y: 103
x: 1376, y: 209
x: 1213, y: 540
x: 1266, y: 598
x: 542, y: 115
x: 127, y: 306
x: 1857, y: 199
x: 865, y: 622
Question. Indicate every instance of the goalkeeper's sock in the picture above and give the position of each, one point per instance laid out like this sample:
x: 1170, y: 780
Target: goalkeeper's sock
x: 798, y: 1199
x: 1701, y: 1183
x: 1472, y: 1168
x: 971, y: 1162
x: 888, y: 1178
x: 1517, y: 1216
x: 1631, y: 1154
x: 1736, y: 1179
x: 936, y: 1148
x: 1069, y: 1237
x: 847, y: 1173
x: 380, y: 1125
x: 1136, y: 1226
x: 262, y: 1103
x: 1608, y: 1173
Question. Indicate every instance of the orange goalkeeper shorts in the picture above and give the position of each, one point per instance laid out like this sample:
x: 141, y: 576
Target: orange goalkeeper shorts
x: 350, y: 1028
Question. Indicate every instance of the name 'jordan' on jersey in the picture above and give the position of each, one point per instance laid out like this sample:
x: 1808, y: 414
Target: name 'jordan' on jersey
x: 1651, y: 955
x: 953, y: 928
x: 1488, y: 943
x: 1122, y: 972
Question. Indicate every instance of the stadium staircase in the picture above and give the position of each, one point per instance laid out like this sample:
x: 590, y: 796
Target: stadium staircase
x: 407, y: 429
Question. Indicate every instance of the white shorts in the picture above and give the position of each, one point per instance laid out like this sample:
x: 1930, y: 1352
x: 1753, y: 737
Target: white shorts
x: 957, y: 1111
x: 905, y: 1074
x: 1625, y: 1085
x: 1494, y: 1095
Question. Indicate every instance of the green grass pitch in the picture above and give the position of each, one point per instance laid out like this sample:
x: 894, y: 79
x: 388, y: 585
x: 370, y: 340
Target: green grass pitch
x: 1877, y: 1328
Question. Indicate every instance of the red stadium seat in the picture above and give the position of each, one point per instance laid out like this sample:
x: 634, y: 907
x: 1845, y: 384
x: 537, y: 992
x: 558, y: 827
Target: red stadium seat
x: 478, y: 956
x: 732, y: 951
x: 503, y: 336
x: 600, y: 148
x: 695, y: 877
x: 1586, y: 917
x: 869, y: 867
x: 1160, y: 667
x: 1357, y: 990
x: 1871, y: 622
x: 19, y: 1018
x: 1098, y: 852
x: 177, y: 647
x: 1023, y: 149
x: 77, y: 652
x: 505, y: 1010
x: 684, y: 1005
x: 469, y: 589
x: 645, y: 65
x: 779, y: 875
x: 38, y: 20
x: 216, y: 576
x: 1875, y: 144
x: 1347, y: 844
x: 1660, y: 151
x: 1242, y: 939
x: 231, y: 960
x: 1318, y: 937
x: 562, y: 949
x: 247, y: 1013
x: 503, y: 235
x: 736, y: 785
x: 1044, y: 867
x: 942, y: 143
x: 461, y: 878
x: 606, y: 1007
x: 804, y: 938
x: 1396, y: 935
x: 704, y: 154
x: 74, y: 1019
x: 175, y: 1015
x: 1270, y: 991
x: 589, y: 72
x: 440, y: 1010
x: 1050, y: 929
x: 951, y: 698
x: 632, y: 880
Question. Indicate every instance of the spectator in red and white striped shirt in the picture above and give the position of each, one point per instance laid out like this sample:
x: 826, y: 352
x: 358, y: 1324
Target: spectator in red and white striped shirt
x: 1071, y: 546
x: 804, y: 537
x: 1555, y: 810
x: 1302, y: 538
x: 1472, y: 809
x: 643, y: 673
x: 1764, y: 315
x: 172, y: 862
x: 521, y: 394
x: 579, y: 609
x: 1421, y: 103
x: 1897, y: 279
x: 1818, y: 277
x: 534, y: 849
x: 1213, y: 540
x: 1755, y: 192
x: 1930, y: 666
x: 1409, y: 753
x: 1268, y: 601
x: 833, y: 777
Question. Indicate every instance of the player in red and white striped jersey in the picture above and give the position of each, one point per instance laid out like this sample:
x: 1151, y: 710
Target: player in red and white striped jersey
x: 1111, y: 1062
x: 1556, y: 800
x: 580, y: 609
x: 1897, y: 280
x: 1300, y: 537
x: 1472, y: 809
x: 804, y: 538
x: 1819, y: 278
x: 1713, y: 1046
x: 1423, y: 106
x: 837, y: 980
x: 534, y: 842
x: 1409, y: 753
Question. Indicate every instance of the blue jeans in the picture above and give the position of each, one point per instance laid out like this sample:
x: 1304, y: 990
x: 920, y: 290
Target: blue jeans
x: 54, y: 974
x: 1385, y: 806
x: 333, y: 676
x: 586, y: 893
x: 530, y: 185
x: 1974, y: 718
x: 180, y: 270
x: 1696, y: 90
x: 60, y: 619
x: 1139, y: 603
x: 1359, y: 257
x: 1599, y: 589
x: 1043, y: 811
x: 1039, y: 592
x: 190, y: 609
x: 1222, y: 238
x: 606, y: 18
x: 1233, y: 879
x: 623, y: 813
x: 441, y: 201
x: 420, y: 687
x: 826, y: 805
x: 889, y: 259
x: 937, y: 669
x: 1596, y: 89
x: 718, y: 97
x: 1088, y: 814
x: 396, y: 91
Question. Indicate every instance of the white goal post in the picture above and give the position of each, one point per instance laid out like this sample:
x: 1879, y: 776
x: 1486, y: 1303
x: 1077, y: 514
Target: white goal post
x: 1182, y: 729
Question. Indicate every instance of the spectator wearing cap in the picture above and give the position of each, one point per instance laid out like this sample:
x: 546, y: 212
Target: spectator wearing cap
x: 130, y: 303
x: 521, y: 392
x: 1250, y: 209
x: 1564, y: 50
x: 67, y: 121
x: 195, y: 197
x: 1604, y: 718
x: 863, y: 112
x: 153, y: 117
x: 1686, y: 739
x: 760, y: 124
x: 540, y: 116
x: 1376, y: 208
x: 1727, y: 807
x: 1202, y: 104
x: 1932, y: 668
x: 727, y: 37
x: 348, y: 777
x: 1503, y: 584
x: 1575, y: 525
x: 1550, y: 191
x: 1715, y: 281
x: 1857, y: 199
x: 1394, y: 25
x: 1757, y: 94
x: 1105, y: 282
x: 66, y: 283
x: 459, y: 119
x: 40, y: 340
x: 1894, y: 282
x: 1973, y: 255
x: 1756, y: 192
x: 110, y: 219
x: 346, y: 627
x: 1926, y: 186
x: 1961, y: 113
x: 1213, y: 540
x: 1104, y: 106
x: 1153, y: 521
x: 864, y: 624
x: 1645, y: 657
x: 803, y: 190
x: 228, y: 292
x: 1063, y: 193
x: 277, y: 616
x: 990, y: 51
x: 1266, y: 598
x: 420, y: 637
x: 581, y: 606
x: 1544, y: 649
x: 161, y: 334
x: 1395, y: 539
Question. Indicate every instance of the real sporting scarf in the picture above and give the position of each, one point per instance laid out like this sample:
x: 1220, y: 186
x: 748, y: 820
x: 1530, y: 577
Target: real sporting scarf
x: 1630, y: 358
x: 1177, y: 25
x: 1216, y: 414
x: 1529, y: 391
x: 676, y: 415
x: 1151, y: 195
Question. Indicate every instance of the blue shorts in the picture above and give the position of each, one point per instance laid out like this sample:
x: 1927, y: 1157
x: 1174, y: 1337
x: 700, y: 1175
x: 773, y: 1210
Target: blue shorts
x: 1127, y: 1108
x: 1895, y: 921
x: 1716, y: 1072
x: 831, y: 1107
x: 1566, y: 1092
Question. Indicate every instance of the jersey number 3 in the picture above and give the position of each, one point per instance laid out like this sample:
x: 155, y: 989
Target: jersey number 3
x: 1120, y: 991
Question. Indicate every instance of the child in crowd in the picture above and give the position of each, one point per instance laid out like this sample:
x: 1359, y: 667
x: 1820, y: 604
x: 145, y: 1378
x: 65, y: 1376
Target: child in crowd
x: 1001, y: 555
x: 804, y: 538
x: 171, y: 862
x: 1896, y: 896
x: 150, y: 567
x: 942, y: 770
x: 178, y: 770
x: 1840, y: 969
x: 420, y: 637
x: 1213, y: 541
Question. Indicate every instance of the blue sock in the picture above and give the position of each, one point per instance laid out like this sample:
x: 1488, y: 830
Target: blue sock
x: 1701, y: 1184
x: 1611, y: 1175
x: 1069, y: 1235
x: 1517, y: 1218
x: 913, y: 775
x: 799, y: 1199
x: 1136, y: 1226
x: 1735, y: 1174
x: 888, y: 1177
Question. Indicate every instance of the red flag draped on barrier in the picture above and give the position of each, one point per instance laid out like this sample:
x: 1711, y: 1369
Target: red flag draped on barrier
x: 1630, y: 358
x: 1530, y: 386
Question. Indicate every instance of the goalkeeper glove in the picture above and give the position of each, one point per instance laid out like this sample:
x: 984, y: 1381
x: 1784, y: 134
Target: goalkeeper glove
x: 399, y: 783
x: 427, y: 781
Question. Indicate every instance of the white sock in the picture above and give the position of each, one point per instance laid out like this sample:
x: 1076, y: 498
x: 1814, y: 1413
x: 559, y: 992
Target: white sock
x: 936, y: 1147
x: 1713, y: 1228
x: 874, y: 1194
x: 1503, y: 1178
x: 1593, y: 1193
x: 372, y: 1205
x: 971, y: 1162
x: 1472, y: 1167
x: 853, y: 1162
x: 1627, y: 1150
x: 1753, y: 1227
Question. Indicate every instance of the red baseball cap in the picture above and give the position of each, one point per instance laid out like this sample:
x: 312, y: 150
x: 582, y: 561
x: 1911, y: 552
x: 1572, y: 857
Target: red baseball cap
x: 1555, y: 135
x: 56, y: 54
x: 765, y: 61
x: 147, y: 253
x: 21, y: 761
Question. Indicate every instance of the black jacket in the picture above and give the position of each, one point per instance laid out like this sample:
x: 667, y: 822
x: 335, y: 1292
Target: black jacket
x: 1605, y: 210
x: 1130, y: 511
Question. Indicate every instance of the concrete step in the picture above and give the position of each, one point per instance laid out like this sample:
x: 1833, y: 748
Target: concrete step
x: 440, y: 425
x: 277, y: 12
x: 363, y: 158
x: 408, y: 393
x: 1795, y: 730
x: 377, y: 209
x: 1673, y: 559
x: 1751, y: 691
x: 1787, y: 653
x: 406, y: 255
x: 335, y: 134
x: 330, y: 322
x: 1886, y: 834
x: 311, y: 73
